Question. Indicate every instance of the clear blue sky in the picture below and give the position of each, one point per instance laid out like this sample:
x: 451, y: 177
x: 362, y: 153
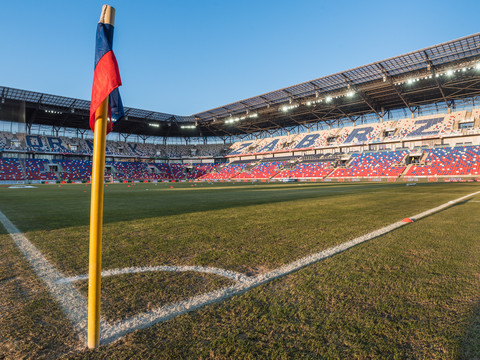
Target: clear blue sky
x: 184, y: 57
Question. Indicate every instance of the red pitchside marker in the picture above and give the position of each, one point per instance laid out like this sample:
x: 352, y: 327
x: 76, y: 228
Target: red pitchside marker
x: 408, y: 220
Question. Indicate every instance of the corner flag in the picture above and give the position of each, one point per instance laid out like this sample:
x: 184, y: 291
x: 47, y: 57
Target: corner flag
x: 106, y: 79
x: 105, y: 106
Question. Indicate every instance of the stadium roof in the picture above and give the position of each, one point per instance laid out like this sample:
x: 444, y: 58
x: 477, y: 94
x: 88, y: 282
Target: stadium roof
x: 439, y: 74
x: 436, y: 56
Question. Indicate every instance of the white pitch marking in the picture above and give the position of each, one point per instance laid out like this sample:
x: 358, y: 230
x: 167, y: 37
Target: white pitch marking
x: 232, y: 275
x: 74, y: 305
x: 146, y: 319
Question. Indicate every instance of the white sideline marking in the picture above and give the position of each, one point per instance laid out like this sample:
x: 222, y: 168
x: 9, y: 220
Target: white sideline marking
x: 75, y: 306
x: 170, y: 311
x: 232, y: 275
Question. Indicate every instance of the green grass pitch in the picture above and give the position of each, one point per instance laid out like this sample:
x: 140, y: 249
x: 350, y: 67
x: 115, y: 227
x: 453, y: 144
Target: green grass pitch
x: 412, y: 293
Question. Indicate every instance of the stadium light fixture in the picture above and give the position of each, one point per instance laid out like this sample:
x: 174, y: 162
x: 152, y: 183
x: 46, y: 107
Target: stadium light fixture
x: 328, y: 99
x: 313, y: 102
x: 449, y: 72
x: 187, y: 127
x: 154, y: 125
x: 52, y: 111
x: 410, y: 81
x: 477, y: 66
x: 286, y: 108
x: 350, y: 93
x: 232, y: 120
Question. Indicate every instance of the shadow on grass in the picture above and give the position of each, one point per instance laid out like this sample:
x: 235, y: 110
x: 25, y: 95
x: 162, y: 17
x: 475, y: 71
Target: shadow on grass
x: 51, y: 207
x: 469, y: 345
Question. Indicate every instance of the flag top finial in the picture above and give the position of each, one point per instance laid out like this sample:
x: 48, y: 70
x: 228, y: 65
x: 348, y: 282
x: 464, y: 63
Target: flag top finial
x: 108, y: 15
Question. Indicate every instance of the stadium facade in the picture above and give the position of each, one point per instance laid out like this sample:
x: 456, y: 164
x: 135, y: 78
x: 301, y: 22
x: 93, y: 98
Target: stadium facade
x: 412, y: 116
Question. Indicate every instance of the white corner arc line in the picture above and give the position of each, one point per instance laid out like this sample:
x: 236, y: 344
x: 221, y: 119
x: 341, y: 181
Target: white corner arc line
x: 232, y: 275
x: 164, y: 313
x: 75, y: 306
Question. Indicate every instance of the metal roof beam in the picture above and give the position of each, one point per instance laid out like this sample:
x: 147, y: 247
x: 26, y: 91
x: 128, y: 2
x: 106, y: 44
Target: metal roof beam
x: 432, y: 70
x: 212, y: 130
x: 269, y: 102
x: 332, y: 109
x: 346, y: 115
x: 246, y: 106
x: 295, y: 121
x: 390, y: 81
x: 369, y: 101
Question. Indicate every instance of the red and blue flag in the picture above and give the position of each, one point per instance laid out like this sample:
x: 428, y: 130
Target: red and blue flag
x: 106, y: 79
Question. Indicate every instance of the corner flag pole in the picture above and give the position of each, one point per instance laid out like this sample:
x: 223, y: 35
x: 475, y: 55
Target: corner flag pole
x: 96, y: 208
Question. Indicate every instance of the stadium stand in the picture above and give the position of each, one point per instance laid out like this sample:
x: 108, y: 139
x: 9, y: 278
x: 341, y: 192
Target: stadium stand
x: 365, y: 134
x: 191, y: 171
x: 74, y: 146
x: 198, y: 170
x: 263, y: 170
x: 36, y: 170
x: 225, y: 172
x: 129, y: 170
x: 306, y: 170
x: 404, y: 129
x: 379, y: 164
x: 375, y: 151
x: 160, y: 171
x: 74, y: 169
x: 456, y: 161
x: 6, y: 141
x: 10, y: 169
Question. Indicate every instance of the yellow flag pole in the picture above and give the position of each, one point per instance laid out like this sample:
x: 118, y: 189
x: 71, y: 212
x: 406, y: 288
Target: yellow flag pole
x: 96, y: 209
